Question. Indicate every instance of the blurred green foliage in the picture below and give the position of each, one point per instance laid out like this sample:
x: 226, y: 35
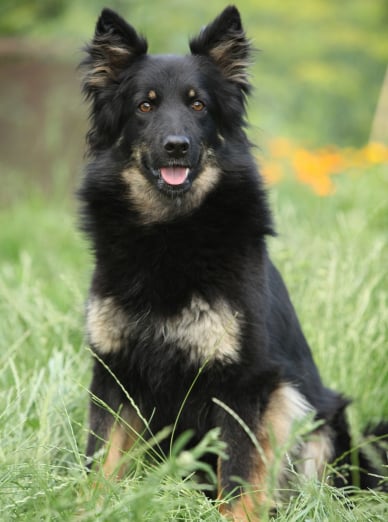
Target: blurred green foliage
x: 318, y: 73
x: 20, y: 16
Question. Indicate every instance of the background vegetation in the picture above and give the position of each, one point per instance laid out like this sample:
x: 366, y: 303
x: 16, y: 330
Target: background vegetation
x: 318, y: 73
x: 317, y: 77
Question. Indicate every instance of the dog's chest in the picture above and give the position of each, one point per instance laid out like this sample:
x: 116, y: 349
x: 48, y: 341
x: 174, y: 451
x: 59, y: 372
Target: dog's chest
x: 200, y: 331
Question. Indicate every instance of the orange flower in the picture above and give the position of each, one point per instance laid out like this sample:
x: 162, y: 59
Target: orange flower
x: 322, y: 185
x: 332, y: 161
x: 313, y: 170
x: 316, y: 168
x: 375, y: 153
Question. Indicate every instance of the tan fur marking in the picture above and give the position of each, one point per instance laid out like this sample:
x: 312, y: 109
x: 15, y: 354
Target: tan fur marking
x: 117, y: 52
x: 245, y: 507
x: 118, y: 444
x: 315, y: 453
x: 122, y: 437
x: 154, y: 207
x: 224, y: 55
x: 192, y: 93
x: 152, y: 95
x: 286, y: 406
x: 205, y: 332
x: 111, y: 59
x: 100, y: 75
x: 202, y: 331
x: 107, y: 324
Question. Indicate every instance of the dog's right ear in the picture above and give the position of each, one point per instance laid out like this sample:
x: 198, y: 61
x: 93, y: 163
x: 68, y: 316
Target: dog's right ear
x: 114, y: 46
x: 225, y: 42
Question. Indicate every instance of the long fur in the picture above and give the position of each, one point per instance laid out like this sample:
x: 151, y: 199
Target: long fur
x: 183, y: 290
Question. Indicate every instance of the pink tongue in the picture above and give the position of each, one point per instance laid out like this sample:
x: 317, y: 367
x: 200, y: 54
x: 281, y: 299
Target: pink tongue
x: 174, y: 175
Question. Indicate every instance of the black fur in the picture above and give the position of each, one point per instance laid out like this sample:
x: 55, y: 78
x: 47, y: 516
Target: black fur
x: 202, y: 240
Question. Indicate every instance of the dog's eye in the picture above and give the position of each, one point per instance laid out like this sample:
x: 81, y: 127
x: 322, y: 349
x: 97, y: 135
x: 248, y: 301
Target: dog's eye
x: 145, y: 107
x: 197, y: 105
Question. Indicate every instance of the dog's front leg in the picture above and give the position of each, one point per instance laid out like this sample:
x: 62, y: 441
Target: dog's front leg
x: 114, y: 423
x: 242, y: 477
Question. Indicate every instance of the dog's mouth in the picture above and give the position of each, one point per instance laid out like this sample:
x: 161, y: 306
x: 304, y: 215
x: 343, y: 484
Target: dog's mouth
x: 174, y: 176
x: 173, y: 179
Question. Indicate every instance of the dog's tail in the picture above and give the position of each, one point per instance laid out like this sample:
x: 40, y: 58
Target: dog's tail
x: 373, y: 458
x: 363, y: 465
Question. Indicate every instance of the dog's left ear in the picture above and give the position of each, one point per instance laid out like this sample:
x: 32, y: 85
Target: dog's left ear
x: 224, y: 41
x: 114, y: 46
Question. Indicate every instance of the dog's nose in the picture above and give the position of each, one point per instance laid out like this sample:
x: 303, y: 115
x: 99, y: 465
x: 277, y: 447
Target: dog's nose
x: 176, y: 146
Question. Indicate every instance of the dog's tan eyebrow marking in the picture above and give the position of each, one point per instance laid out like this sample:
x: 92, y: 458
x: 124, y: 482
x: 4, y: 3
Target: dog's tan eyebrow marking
x: 152, y: 95
x: 192, y: 93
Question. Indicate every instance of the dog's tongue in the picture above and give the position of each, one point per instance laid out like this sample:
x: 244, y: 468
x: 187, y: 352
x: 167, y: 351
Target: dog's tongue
x: 174, y: 175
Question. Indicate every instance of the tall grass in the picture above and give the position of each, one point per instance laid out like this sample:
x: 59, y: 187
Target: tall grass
x: 333, y: 255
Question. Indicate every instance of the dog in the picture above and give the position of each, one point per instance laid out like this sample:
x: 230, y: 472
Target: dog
x: 186, y: 311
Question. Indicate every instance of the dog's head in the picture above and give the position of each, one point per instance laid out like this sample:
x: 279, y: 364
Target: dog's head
x: 165, y: 116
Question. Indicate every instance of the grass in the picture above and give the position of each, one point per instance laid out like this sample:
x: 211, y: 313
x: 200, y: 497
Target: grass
x: 332, y: 252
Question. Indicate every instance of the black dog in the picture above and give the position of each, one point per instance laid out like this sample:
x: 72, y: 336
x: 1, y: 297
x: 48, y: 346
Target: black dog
x: 183, y: 290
